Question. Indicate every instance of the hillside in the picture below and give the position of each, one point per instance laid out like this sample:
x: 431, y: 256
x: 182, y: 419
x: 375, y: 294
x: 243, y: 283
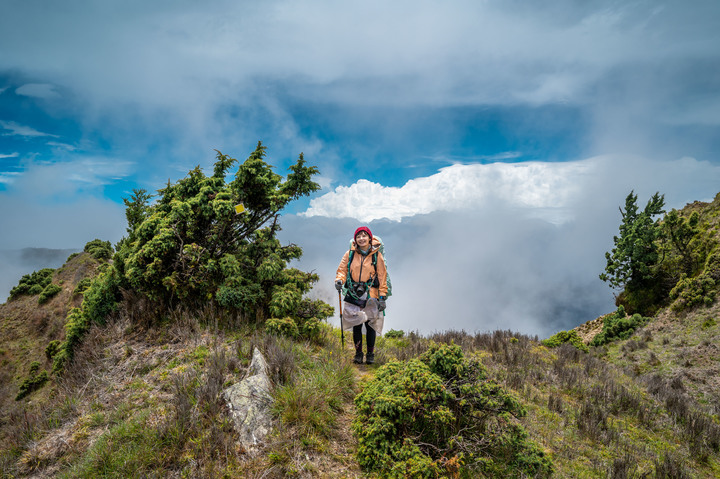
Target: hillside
x: 143, y: 399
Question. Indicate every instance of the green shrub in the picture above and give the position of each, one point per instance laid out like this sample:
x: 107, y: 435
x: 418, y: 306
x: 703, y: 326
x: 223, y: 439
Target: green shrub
x: 52, y: 349
x: 440, y: 415
x: 691, y: 292
x: 72, y: 255
x: 618, y: 326
x: 76, y: 325
x: 35, y: 289
x: 563, y: 337
x: 35, y: 380
x: 98, y: 249
x: 102, y: 296
x: 82, y: 286
x: 395, y: 334
x: 50, y: 290
x: 33, y: 283
x: 282, y: 327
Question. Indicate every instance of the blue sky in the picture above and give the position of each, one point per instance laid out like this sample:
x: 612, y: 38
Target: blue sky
x: 510, y: 130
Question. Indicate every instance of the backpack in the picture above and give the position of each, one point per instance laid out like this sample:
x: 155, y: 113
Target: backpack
x: 375, y: 283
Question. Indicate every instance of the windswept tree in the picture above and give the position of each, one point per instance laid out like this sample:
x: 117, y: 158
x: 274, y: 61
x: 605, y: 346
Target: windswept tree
x: 631, y: 265
x: 636, y: 252
x: 193, y: 246
x: 207, y: 240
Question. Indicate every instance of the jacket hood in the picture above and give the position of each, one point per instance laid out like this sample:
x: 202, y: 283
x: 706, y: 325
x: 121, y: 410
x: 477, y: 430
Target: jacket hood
x: 373, y: 247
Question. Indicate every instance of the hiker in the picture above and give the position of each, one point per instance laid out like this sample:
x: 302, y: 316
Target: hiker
x: 365, y: 290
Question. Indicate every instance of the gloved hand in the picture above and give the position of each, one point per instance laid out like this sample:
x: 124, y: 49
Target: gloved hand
x: 338, y: 285
x: 381, y: 305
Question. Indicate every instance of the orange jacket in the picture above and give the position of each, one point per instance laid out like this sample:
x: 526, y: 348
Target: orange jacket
x: 362, y: 269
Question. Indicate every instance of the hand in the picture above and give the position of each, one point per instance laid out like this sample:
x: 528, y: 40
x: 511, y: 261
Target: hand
x: 338, y: 285
x: 381, y: 305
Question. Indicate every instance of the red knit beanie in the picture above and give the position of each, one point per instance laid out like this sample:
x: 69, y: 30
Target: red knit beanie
x: 365, y: 229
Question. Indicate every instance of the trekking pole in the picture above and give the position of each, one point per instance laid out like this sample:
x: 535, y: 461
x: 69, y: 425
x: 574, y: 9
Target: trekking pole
x: 342, y: 331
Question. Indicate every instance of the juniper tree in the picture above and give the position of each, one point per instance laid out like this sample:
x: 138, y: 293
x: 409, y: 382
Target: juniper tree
x: 192, y: 248
x: 636, y: 252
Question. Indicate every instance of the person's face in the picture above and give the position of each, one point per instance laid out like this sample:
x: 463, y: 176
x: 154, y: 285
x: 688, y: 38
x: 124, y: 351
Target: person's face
x: 362, y: 239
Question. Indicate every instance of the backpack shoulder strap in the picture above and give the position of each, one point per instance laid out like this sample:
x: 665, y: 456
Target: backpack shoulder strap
x: 348, y: 277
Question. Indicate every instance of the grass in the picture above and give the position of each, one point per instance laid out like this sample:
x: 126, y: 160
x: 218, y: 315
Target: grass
x: 143, y: 398
x: 128, y: 449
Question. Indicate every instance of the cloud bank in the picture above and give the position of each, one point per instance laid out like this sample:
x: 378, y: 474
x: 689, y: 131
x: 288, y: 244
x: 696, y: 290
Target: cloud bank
x: 548, y: 190
x: 519, y: 247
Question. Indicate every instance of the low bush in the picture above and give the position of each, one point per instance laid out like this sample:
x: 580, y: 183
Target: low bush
x: 562, y: 337
x: 395, y: 334
x: 82, y: 286
x: 618, y: 326
x: 98, y: 249
x: 50, y: 290
x: 32, y: 283
x: 691, y: 292
x: 35, y: 380
x: 52, y: 349
x: 282, y: 327
x: 440, y: 415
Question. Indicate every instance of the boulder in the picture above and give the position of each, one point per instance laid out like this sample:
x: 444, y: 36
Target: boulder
x: 249, y: 403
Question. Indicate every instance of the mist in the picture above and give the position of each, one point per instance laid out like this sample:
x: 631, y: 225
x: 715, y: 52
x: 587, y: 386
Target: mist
x: 476, y: 271
x: 14, y: 264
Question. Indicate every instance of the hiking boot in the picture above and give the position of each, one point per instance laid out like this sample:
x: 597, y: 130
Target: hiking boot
x: 358, y: 357
x: 370, y: 358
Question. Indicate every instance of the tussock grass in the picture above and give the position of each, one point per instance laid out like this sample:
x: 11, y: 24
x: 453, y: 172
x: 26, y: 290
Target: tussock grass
x: 582, y: 406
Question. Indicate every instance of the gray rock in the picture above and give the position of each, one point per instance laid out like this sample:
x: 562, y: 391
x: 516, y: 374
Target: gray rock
x: 249, y: 402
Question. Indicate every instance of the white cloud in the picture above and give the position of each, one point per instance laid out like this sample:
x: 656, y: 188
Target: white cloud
x: 62, y: 146
x: 16, y: 129
x: 45, y: 180
x: 59, y: 205
x: 10, y: 155
x: 547, y: 190
x: 525, y: 185
x: 506, y: 262
x: 38, y: 90
x: 7, y: 177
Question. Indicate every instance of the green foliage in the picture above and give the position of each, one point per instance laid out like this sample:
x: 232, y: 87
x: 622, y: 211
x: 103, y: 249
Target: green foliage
x: 618, y: 326
x: 48, y: 292
x: 102, y: 296
x: 563, y: 337
x: 691, y: 292
x: 82, y: 286
x: 680, y: 231
x: 98, y: 249
x: 76, y: 325
x: 635, y: 251
x: 137, y: 209
x: 672, y: 259
x: 282, y: 327
x: 52, y: 349
x: 440, y: 415
x: 32, y: 284
x: 305, y: 322
x: 35, y: 380
x: 192, y: 247
x: 395, y: 334
x: 100, y: 299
